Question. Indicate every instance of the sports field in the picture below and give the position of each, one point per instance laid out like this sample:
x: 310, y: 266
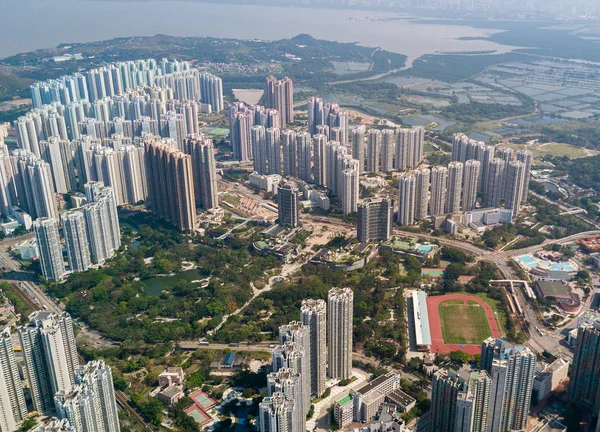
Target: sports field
x: 463, y: 323
x: 460, y: 322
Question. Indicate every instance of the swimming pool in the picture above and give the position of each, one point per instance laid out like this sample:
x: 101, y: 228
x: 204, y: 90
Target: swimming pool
x: 425, y: 248
x: 526, y: 259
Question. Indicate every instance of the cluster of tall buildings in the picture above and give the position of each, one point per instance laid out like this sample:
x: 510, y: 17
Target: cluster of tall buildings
x: 81, y: 396
x: 179, y: 181
x: 316, y: 347
x: 280, y: 96
x: 93, y: 127
x: 92, y: 234
x: 495, y: 398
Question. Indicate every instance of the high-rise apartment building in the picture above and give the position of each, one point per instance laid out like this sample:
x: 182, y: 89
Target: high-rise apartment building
x: 102, y: 222
x: 422, y: 193
x: 211, y: 89
x: 407, y: 199
x: 357, y: 140
x: 259, y: 150
x: 290, y: 153
x: 350, y: 188
x: 288, y: 384
x: 454, y: 188
x: 515, y: 180
x: 439, y: 181
x: 280, y: 96
x: 304, y: 148
x: 171, y: 184
x: 340, y: 307
x: 287, y: 199
x: 410, y: 144
x: 276, y: 414
x: 315, y: 114
x: 313, y: 315
x: 470, y: 184
x: 273, y: 142
x: 374, y: 220
x: 320, y: 159
x: 495, y: 183
x: 388, y: 150
x: 92, y: 400
x: 204, y: 170
x: 241, y: 123
x: 76, y: 241
x: 374, y: 138
x: 48, y: 241
x: 13, y: 409
x: 526, y: 157
x: 460, y: 401
x: 173, y: 126
x: 512, y: 370
x: 299, y: 334
x: 584, y: 384
x: 50, y: 353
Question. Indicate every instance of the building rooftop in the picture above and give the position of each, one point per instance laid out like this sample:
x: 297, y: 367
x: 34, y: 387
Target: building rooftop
x: 345, y: 400
x: 554, y: 289
x: 171, y: 391
x: 421, y: 318
x: 401, y: 398
x: 374, y: 383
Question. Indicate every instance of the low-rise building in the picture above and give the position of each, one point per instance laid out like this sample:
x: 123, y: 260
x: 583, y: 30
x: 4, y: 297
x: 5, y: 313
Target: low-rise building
x: 549, y: 378
x: 402, y: 401
x: 29, y: 250
x: 171, y: 376
x: 368, y: 399
x: 343, y: 411
x: 170, y: 395
x: 265, y: 182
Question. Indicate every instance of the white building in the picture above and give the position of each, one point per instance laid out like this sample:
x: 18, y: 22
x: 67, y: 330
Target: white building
x: 13, y: 409
x: 50, y: 247
x: 313, y: 314
x: 268, y: 183
x: 340, y: 306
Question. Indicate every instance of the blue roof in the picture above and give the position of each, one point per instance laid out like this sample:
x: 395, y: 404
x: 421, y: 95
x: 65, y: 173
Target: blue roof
x: 229, y: 358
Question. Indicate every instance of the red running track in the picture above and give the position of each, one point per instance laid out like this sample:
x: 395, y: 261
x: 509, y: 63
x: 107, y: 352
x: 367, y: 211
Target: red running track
x: 435, y: 325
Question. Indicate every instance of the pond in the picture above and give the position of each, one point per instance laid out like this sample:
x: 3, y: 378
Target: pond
x: 154, y: 286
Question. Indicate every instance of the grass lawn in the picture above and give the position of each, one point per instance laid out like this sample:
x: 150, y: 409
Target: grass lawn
x: 463, y: 324
x: 553, y: 149
x: 501, y: 317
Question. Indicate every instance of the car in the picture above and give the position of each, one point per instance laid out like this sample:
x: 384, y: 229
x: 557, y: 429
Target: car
x: 271, y: 345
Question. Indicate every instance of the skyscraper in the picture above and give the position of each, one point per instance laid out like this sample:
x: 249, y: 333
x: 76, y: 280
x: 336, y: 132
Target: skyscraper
x: 422, y: 193
x: 212, y: 91
x: 320, y: 158
x: 273, y: 142
x: 173, y: 126
x: 460, y: 400
x: 171, y: 184
x: 48, y: 240
x: 204, y: 170
x: 584, y: 385
x: 76, y: 240
x: 290, y: 153
x: 495, y: 183
x: 454, y: 189
x: 304, y: 148
x: 288, y: 384
x: 388, y: 150
x: 439, y: 180
x: 240, y: 135
x: 374, y: 138
x: 340, y: 307
x: 13, y: 409
x: 102, y: 222
x: 350, y: 188
x: 280, y: 96
x: 515, y: 179
x: 287, y: 198
x: 407, y: 199
x: 50, y: 354
x: 299, y: 334
x: 357, y: 139
x: 527, y: 158
x: 315, y: 114
x: 512, y: 370
x: 374, y: 220
x: 313, y: 314
x: 259, y: 150
x: 94, y: 384
x: 409, y: 147
x: 276, y: 414
x: 470, y: 184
